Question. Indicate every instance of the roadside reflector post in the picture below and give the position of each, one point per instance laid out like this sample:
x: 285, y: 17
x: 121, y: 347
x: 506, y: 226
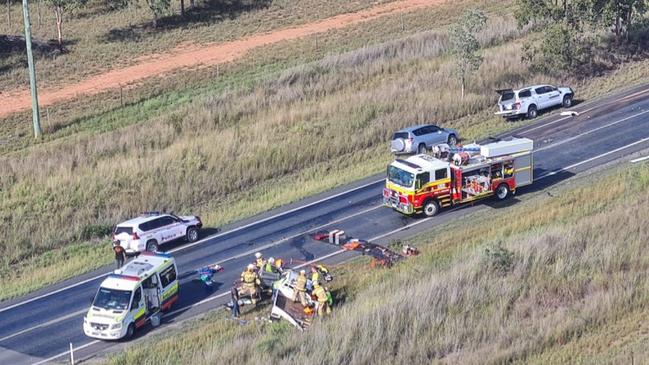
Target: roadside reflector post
x: 71, y: 354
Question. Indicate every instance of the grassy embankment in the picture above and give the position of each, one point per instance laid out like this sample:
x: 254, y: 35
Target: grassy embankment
x: 274, y: 134
x: 560, y: 280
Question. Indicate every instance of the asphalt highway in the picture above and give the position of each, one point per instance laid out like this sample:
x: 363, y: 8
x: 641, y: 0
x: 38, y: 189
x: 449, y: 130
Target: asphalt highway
x: 39, y: 327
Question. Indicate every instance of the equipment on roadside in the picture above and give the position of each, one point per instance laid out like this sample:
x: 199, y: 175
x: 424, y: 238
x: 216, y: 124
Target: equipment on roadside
x: 206, y: 273
x: 381, y: 256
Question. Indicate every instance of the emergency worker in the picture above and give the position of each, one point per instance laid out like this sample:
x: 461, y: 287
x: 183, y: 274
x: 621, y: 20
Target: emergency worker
x: 315, y: 274
x: 300, y: 288
x: 259, y: 260
x: 120, y: 254
x: 269, y: 266
x: 322, y: 298
x: 251, y: 283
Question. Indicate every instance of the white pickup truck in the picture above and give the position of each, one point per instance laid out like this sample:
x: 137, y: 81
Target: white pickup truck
x: 528, y: 101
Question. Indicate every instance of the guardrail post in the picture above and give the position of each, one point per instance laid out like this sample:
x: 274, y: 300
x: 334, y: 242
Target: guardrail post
x: 71, y: 354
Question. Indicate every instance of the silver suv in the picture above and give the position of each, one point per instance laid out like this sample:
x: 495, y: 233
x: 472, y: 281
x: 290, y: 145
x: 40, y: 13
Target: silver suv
x: 148, y: 231
x: 418, y: 139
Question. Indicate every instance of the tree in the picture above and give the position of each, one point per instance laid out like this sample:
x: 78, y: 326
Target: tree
x: 158, y: 8
x: 570, y: 28
x: 465, y: 46
x: 61, y: 7
x: 621, y: 14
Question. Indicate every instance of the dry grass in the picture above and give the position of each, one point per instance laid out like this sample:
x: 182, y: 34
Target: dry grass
x: 100, y: 39
x: 267, y: 131
x: 565, y: 280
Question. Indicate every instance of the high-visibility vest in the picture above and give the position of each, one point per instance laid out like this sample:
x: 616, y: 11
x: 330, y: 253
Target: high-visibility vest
x: 248, y: 277
x: 315, y: 276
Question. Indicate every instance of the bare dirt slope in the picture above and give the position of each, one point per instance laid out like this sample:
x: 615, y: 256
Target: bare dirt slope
x: 196, y: 56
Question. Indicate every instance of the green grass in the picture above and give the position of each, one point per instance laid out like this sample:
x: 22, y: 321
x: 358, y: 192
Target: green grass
x: 565, y: 287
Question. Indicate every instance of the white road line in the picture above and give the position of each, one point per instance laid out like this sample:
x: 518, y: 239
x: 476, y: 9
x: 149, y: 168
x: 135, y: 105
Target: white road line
x: 371, y: 239
x: 640, y: 159
x: 275, y: 243
x: 591, y: 159
x: 51, y: 293
x: 274, y: 216
x: 198, y: 242
x: 560, y: 119
x: 584, y: 111
x: 591, y: 131
x: 44, y: 324
x: 248, y: 253
x: 67, y: 352
x: 545, y: 125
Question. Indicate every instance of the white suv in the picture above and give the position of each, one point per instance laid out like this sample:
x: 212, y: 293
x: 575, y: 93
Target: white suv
x: 148, y: 231
x: 528, y: 101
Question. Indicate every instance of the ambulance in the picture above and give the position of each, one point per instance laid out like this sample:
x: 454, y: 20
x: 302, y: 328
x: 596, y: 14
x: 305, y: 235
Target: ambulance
x: 132, y: 295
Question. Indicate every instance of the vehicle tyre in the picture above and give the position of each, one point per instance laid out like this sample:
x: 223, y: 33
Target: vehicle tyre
x: 532, y: 112
x: 452, y: 140
x: 130, y: 331
x: 422, y: 148
x: 502, y: 191
x: 567, y: 101
x: 431, y: 208
x: 152, y: 246
x: 192, y: 234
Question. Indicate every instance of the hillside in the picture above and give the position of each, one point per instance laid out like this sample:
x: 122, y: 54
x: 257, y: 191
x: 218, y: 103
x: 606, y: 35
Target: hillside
x: 558, y: 279
x: 226, y: 143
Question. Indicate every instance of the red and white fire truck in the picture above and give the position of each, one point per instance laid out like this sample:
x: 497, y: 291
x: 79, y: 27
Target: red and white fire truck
x: 425, y: 184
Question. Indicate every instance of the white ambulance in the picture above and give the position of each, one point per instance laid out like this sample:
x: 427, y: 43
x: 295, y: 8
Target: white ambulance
x: 130, y: 296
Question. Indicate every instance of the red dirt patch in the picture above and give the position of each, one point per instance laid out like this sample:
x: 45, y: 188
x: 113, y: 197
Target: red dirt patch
x: 196, y: 56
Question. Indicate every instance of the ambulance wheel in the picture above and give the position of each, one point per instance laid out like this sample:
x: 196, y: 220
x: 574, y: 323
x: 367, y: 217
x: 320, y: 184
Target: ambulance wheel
x: 192, y: 234
x: 502, y: 191
x: 152, y: 246
x: 130, y: 331
x: 431, y: 208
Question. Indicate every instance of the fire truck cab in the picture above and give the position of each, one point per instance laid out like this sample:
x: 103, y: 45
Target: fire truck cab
x: 424, y: 183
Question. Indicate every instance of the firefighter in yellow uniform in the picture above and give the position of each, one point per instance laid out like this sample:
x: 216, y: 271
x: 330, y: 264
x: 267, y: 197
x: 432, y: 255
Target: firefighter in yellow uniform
x: 315, y: 274
x: 251, y: 282
x: 300, y: 289
x: 323, y: 299
x: 259, y: 260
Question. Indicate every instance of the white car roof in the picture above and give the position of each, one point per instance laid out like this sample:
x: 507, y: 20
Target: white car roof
x: 141, y: 219
x: 531, y: 87
x: 424, y: 162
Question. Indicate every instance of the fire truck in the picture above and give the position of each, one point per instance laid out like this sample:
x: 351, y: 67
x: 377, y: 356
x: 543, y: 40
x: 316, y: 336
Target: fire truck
x: 425, y: 183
